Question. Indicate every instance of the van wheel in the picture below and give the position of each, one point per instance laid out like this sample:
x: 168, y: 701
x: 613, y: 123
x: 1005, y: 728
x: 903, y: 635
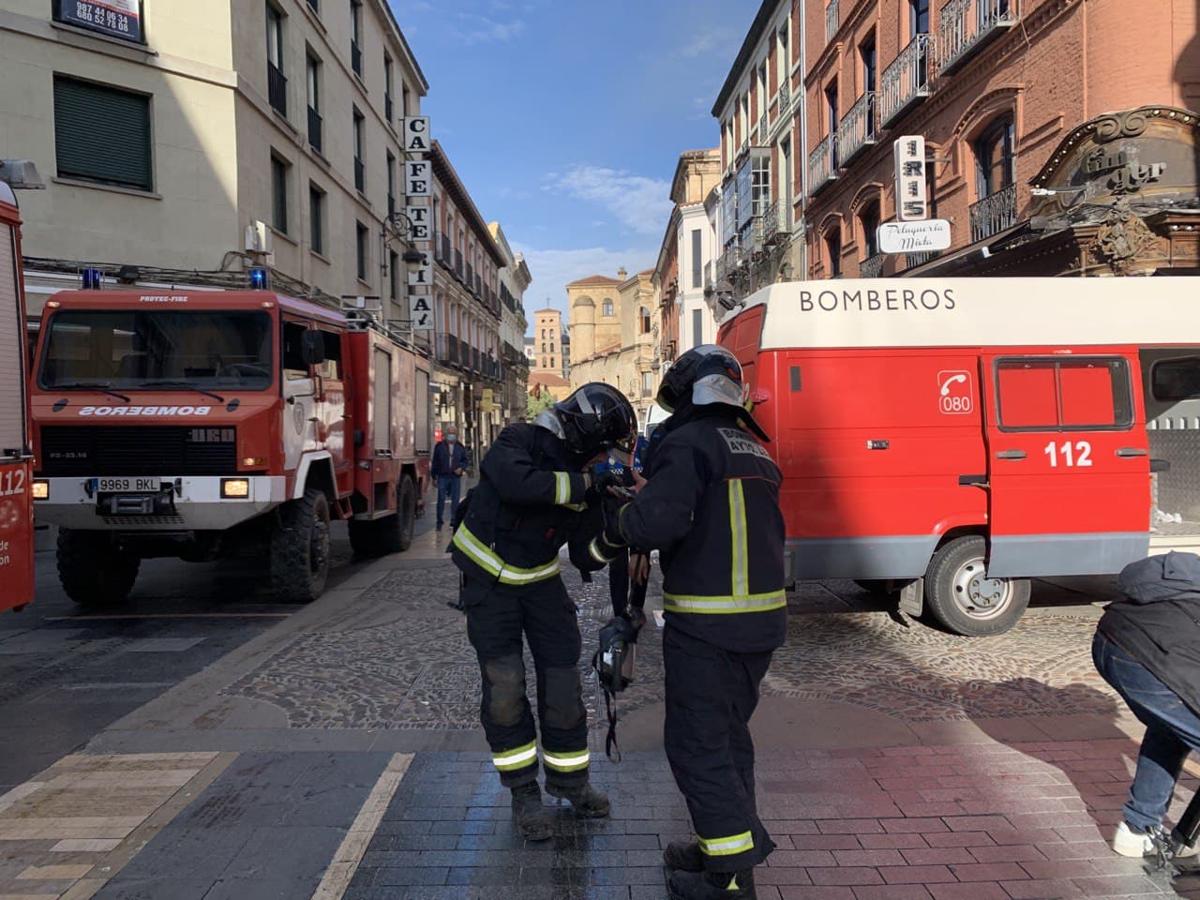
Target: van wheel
x: 962, y: 598
x: 391, y: 534
x: 300, y: 549
x: 92, y: 570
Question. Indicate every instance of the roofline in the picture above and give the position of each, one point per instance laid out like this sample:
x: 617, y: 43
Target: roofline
x: 450, y: 180
x: 409, y: 55
x: 689, y: 156
x: 752, y: 38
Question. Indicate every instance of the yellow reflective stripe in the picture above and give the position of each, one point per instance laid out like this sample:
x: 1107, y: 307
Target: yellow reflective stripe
x: 562, y: 488
x: 751, y: 603
x: 739, y: 550
x: 487, y: 560
x: 571, y: 763
x: 595, y: 552
x: 727, y: 846
x: 519, y: 758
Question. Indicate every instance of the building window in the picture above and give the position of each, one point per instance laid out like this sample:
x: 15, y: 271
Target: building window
x: 356, y: 24
x: 276, y: 82
x: 833, y: 250
x: 405, y: 100
x: 606, y: 309
x: 315, y: 6
x: 388, y: 111
x: 647, y: 384
x: 784, y: 58
x: 361, y: 246
x: 918, y: 17
x: 312, y: 68
x: 394, y: 274
x: 697, y: 327
x: 360, y: 167
x: 316, y: 218
x: 994, y: 158
x: 391, y: 183
x: 644, y: 320
x: 697, y: 258
x: 102, y: 134
x: 869, y: 222
x: 870, y: 65
x: 279, y: 193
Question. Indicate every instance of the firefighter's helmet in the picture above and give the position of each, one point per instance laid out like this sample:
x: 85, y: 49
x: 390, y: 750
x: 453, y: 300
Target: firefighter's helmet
x: 704, y: 376
x: 595, y: 418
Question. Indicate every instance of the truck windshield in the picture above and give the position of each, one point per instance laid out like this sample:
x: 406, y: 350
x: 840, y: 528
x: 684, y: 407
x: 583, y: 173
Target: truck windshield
x: 132, y: 350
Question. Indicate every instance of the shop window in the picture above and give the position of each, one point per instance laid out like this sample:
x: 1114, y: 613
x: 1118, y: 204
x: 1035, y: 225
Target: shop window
x: 1064, y: 395
x: 994, y: 158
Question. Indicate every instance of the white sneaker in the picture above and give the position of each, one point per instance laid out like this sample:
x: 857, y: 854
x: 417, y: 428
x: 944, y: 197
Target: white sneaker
x: 1128, y: 842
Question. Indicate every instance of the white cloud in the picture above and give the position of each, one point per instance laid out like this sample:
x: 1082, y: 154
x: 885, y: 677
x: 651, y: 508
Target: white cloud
x: 477, y: 29
x: 641, y: 204
x: 704, y: 42
x: 553, y: 270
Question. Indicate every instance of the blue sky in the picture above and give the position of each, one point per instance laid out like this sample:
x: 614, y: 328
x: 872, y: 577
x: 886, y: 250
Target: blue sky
x: 565, y: 118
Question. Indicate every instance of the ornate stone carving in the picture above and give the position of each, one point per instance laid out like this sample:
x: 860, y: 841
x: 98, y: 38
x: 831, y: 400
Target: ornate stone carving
x: 1121, y: 125
x: 1122, y: 238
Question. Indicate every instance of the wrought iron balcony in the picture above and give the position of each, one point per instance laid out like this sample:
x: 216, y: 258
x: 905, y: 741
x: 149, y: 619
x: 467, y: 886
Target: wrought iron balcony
x: 908, y: 79
x: 470, y: 277
x: 966, y: 26
x: 763, y: 130
x: 832, y: 20
x: 774, y: 228
x: 315, y: 129
x: 356, y: 60
x: 822, y: 164
x: 994, y: 214
x: 912, y: 260
x: 277, y: 89
x: 719, y: 272
x: 360, y: 175
x: 458, y: 264
x: 447, y: 348
x: 872, y: 266
x: 859, y: 129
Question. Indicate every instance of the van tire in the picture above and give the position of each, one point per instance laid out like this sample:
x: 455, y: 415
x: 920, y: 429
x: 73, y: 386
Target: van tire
x: 300, y: 549
x: 957, y: 578
x: 391, y: 534
x: 93, y: 571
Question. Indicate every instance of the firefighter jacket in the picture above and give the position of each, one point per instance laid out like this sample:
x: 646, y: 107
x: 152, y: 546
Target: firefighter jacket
x: 711, y: 507
x: 529, y: 502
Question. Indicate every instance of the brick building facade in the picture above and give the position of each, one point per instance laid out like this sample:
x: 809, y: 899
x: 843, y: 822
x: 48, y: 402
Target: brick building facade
x: 1058, y: 134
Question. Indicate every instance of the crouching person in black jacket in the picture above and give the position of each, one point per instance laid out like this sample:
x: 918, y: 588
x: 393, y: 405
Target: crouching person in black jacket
x: 1147, y: 647
x: 533, y: 497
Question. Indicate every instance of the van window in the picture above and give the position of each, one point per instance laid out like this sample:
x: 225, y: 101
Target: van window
x: 1174, y: 380
x: 293, y: 354
x: 332, y: 367
x: 1064, y: 394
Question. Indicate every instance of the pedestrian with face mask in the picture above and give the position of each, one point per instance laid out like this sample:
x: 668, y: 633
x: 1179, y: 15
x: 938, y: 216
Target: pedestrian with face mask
x: 450, y: 463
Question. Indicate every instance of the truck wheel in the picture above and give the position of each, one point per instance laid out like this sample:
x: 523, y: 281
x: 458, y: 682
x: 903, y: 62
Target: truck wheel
x: 92, y: 571
x: 300, y: 549
x: 962, y: 598
x: 391, y: 534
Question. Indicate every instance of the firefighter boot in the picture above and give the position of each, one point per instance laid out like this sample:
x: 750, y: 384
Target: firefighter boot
x: 684, y: 856
x: 586, y: 802
x: 711, y: 885
x: 533, y: 820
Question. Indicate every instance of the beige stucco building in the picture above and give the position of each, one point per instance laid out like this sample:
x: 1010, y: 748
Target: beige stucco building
x: 613, y: 335
x: 548, y: 360
x: 160, y: 147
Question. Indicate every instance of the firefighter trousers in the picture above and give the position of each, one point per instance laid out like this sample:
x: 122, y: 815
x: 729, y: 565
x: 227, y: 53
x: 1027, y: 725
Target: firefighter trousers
x: 711, y: 694
x: 497, y: 618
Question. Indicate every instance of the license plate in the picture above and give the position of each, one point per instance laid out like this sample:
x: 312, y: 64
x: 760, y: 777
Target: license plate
x: 129, y: 485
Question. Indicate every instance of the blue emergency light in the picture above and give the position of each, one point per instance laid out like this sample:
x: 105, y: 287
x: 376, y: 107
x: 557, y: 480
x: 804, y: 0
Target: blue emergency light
x: 91, y: 279
x: 260, y: 279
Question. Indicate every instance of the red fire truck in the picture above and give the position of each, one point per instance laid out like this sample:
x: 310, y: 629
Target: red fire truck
x: 952, y: 439
x: 203, y: 424
x: 16, y: 461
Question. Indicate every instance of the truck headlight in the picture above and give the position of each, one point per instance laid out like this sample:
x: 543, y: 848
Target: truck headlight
x: 235, y: 488
x: 41, y: 489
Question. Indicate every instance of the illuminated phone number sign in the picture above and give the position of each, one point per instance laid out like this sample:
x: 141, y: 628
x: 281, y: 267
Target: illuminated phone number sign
x: 119, y: 18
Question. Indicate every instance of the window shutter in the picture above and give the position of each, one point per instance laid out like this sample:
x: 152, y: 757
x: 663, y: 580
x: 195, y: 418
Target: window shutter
x: 102, y: 134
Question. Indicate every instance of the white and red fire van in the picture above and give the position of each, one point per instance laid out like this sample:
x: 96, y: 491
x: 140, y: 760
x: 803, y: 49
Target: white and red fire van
x: 203, y: 424
x: 16, y: 458
x: 951, y: 439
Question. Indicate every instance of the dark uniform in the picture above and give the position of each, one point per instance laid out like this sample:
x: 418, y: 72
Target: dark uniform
x: 527, y: 505
x: 711, y: 506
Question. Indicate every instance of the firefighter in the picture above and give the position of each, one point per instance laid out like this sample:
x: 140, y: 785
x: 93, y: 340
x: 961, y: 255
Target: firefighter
x: 531, y: 499
x: 710, y: 505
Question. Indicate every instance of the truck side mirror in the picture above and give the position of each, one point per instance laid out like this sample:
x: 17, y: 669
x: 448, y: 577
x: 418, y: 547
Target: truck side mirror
x: 312, y: 348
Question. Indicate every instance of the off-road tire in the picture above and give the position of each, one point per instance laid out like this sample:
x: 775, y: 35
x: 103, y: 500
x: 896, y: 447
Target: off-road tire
x: 300, y: 549
x: 391, y: 534
x: 947, y: 593
x: 93, y: 572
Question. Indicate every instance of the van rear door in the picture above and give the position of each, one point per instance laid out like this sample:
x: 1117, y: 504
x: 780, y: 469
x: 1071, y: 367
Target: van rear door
x: 1068, y: 458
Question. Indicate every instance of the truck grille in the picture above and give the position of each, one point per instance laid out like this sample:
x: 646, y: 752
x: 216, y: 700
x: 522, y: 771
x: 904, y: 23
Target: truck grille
x: 138, y: 450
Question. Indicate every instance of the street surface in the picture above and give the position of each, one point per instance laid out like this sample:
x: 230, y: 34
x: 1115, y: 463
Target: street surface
x: 205, y: 743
